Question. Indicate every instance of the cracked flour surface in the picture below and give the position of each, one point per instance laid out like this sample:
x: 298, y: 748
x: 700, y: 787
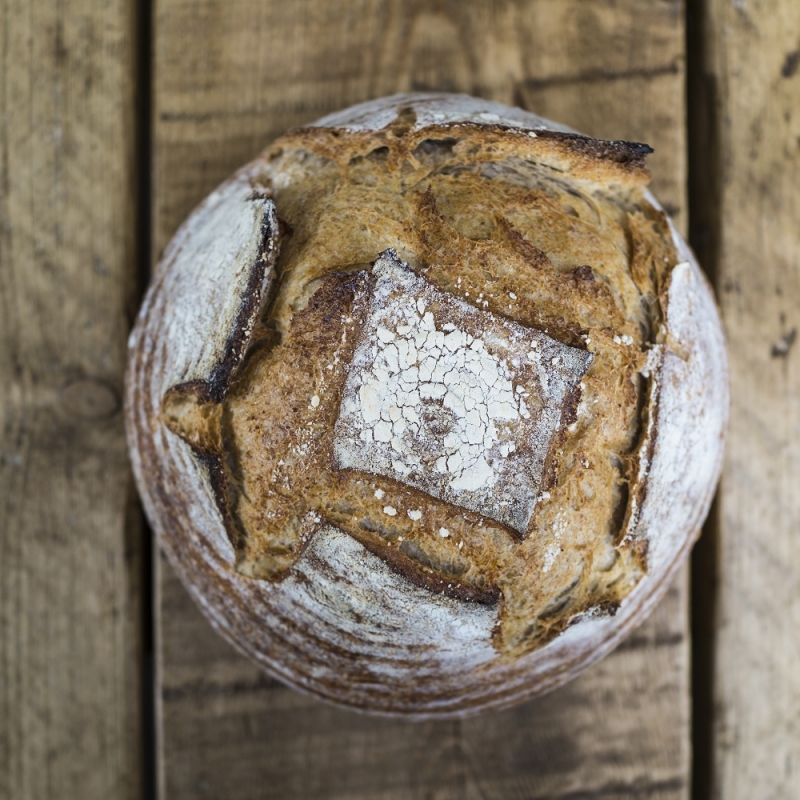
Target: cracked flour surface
x: 452, y: 400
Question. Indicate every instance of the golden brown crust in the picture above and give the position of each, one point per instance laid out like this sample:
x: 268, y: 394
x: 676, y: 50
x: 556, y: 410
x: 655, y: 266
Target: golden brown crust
x: 464, y: 203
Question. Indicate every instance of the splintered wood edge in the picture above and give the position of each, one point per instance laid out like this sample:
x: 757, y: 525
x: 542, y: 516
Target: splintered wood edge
x: 179, y: 338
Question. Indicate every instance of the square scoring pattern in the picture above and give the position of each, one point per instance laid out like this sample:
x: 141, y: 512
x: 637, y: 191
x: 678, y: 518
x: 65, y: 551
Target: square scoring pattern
x: 452, y: 400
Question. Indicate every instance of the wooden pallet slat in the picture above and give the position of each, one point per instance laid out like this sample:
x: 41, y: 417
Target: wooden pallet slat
x: 752, y: 66
x: 229, y: 76
x: 69, y: 541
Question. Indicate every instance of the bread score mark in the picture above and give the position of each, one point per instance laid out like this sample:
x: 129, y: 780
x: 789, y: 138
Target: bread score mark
x: 453, y: 400
x: 272, y: 513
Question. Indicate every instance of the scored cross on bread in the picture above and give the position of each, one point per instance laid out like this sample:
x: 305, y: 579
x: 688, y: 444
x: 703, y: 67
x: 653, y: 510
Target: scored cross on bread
x: 424, y: 416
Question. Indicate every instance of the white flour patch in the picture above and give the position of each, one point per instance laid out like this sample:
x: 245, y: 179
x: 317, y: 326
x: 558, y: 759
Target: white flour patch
x: 550, y: 557
x: 452, y: 400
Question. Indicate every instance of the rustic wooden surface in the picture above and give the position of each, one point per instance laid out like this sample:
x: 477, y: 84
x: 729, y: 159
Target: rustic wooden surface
x: 619, y: 732
x: 752, y: 60
x: 69, y: 536
x: 229, y: 77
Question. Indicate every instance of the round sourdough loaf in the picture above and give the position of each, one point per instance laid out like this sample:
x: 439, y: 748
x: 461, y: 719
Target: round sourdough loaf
x: 426, y: 404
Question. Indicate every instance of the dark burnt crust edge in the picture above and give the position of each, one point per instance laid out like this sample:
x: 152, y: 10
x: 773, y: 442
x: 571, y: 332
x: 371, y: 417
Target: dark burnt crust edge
x: 626, y: 157
x: 618, y: 151
x: 210, y: 460
x: 261, y: 280
x: 214, y: 389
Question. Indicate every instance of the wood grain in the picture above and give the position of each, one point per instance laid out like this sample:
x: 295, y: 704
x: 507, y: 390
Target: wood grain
x: 69, y: 549
x: 230, y: 76
x: 752, y: 67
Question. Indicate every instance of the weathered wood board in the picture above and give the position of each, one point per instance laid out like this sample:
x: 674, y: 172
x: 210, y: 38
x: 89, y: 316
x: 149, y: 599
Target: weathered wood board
x: 230, y: 76
x: 70, y: 623
x: 752, y: 63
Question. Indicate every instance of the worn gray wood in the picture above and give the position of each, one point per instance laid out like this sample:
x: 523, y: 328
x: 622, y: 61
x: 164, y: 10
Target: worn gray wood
x: 230, y: 76
x: 752, y: 52
x: 69, y: 532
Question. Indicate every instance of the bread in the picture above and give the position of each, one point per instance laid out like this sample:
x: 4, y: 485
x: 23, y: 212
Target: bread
x: 427, y: 404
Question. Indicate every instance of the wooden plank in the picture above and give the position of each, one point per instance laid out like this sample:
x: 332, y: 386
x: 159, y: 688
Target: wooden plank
x: 752, y: 73
x: 69, y: 532
x: 229, y: 76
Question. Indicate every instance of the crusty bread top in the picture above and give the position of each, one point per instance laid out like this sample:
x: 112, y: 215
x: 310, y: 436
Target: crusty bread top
x: 542, y: 260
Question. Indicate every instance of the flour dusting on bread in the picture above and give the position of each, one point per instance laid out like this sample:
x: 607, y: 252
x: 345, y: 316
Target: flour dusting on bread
x: 451, y: 399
